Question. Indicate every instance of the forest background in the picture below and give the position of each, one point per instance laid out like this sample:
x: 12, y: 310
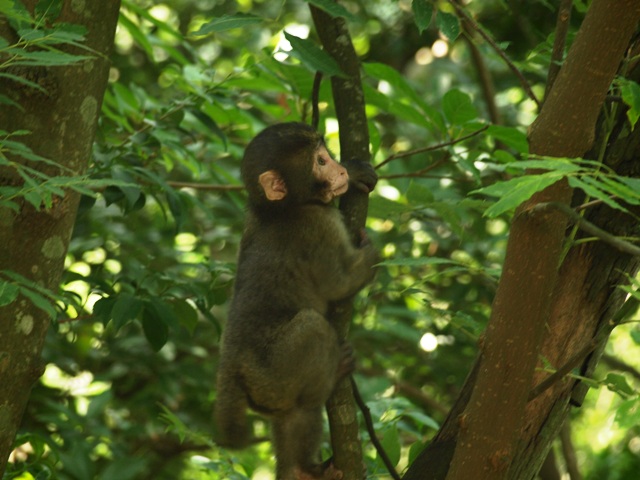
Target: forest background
x: 140, y: 130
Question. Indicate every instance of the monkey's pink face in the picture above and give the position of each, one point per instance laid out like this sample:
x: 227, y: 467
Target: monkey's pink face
x: 330, y: 172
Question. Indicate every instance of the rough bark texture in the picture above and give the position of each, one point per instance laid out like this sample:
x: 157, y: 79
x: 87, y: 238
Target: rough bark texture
x: 493, y: 431
x: 348, y: 99
x: 34, y: 242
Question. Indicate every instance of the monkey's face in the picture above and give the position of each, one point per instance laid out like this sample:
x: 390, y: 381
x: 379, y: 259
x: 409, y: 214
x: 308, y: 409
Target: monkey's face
x: 330, y: 174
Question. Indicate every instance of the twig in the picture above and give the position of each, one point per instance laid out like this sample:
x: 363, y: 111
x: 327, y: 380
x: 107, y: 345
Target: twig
x: 588, y: 227
x: 562, y: 28
x: 409, y: 153
x: 498, y: 50
x: 484, y: 74
x: 366, y: 413
x: 205, y: 186
x: 315, y: 97
x: 569, y: 452
x: 565, y: 369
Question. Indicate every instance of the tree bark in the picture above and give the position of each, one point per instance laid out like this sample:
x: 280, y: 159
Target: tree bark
x: 34, y: 241
x: 349, y: 103
x: 493, y: 431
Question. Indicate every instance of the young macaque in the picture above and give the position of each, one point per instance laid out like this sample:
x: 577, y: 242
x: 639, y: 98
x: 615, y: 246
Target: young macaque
x: 280, y: 356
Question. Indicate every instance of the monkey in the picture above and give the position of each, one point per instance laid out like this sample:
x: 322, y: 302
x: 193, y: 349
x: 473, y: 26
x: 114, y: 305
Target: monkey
x: 280, y: 356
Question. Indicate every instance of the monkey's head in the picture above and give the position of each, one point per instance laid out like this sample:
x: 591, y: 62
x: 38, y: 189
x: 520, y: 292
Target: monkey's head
x: 288, y: 164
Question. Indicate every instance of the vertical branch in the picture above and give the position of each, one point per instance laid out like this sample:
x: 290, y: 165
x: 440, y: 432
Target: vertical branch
x: 354, y: 143
x: 562, y: 28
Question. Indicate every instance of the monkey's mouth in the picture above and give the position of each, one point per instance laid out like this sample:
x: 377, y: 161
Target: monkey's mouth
x: 336, y: 192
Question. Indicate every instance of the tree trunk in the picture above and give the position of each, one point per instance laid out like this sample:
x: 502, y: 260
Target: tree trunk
x: 34, y: 242
x: 494, y: 431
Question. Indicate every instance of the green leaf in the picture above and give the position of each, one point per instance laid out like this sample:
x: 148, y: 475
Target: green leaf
x: 49, y: 9
x: 417, y: 262
x: 8, y: 292
x: 47, y: 58
x: 391, y: 443
x: 511, y: 137
x: 39, y: 301
x: 126, y: 308
x: 138, y: 35
x: 228, y: 22
x: 154, y: 325
x: 312, y: 56
x: 332, y: 8
x: 418, y: 194
x: 381, y: 207
x: 561, y: 165
x: 616, y: 187
x: 22, y: 80
x: 186, y: 314
x: 630, y: 92
x: 17, y: 14
x: 458, y: 108
x: 422, y: 13
x: 593, y: 188
x: 448, y: 24
x: 512, y: 193
x: 628, y: 413
x: 422, y: 419
x: 393, y: 77
x: 102, y: 309
x: 618, y: 383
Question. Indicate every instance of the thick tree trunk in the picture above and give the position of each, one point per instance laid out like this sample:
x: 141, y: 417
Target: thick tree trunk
x: 494, y: 431
x: 34, y: 242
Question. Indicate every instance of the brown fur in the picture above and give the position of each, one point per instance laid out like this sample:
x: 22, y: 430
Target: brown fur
x: 280, y: 355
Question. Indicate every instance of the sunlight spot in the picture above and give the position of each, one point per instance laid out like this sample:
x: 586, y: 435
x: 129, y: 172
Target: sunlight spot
x: 387, y: 191
x: 440, y: 48
x: 429, y: 342
x: 424, y: 56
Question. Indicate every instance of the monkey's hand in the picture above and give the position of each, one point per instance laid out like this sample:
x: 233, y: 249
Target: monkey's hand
x: 347, y: 360
x: 361, y: 175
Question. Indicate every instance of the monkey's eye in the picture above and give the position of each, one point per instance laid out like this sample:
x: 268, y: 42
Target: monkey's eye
x: 321, y: 161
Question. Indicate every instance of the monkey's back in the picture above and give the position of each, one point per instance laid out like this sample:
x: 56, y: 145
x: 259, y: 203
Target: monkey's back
x: 283, y: 261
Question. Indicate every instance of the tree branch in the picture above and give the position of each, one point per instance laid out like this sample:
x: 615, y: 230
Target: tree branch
x: 587, y: 226
x: 409, y: 153
x: 473, y: 24
x: 348, y: 98
x: 562, y: 28
x: 366, y: 413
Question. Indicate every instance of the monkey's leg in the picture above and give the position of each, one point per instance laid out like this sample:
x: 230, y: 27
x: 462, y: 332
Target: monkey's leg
x: 297, y: 436
x: 231, y: 411
x: 305, y: 360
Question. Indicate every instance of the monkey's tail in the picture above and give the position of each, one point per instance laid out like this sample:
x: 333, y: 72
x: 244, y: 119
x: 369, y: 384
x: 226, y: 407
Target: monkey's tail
x: 234, y: 430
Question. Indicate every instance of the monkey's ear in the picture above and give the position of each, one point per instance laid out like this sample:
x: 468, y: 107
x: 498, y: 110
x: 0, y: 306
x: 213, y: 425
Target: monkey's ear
x: 273, y: 185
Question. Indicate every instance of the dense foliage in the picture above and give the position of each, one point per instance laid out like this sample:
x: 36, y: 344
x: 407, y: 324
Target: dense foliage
x: 131, y: 357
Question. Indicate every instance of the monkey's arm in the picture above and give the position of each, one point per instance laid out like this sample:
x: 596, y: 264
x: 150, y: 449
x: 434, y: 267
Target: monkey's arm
x: 339, y: 269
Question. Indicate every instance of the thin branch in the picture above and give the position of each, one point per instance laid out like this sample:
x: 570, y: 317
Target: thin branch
x: 564, y: 370
x: 315, y: 100
x: 588, y: 227
x: 484, y: 74
x: 431, y: 148
x: 366, y: 413
x: 617, y: 364
x: 205, y: 186
x: 523, y: 81
x: 562, y: 28
x: 569, y: 452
